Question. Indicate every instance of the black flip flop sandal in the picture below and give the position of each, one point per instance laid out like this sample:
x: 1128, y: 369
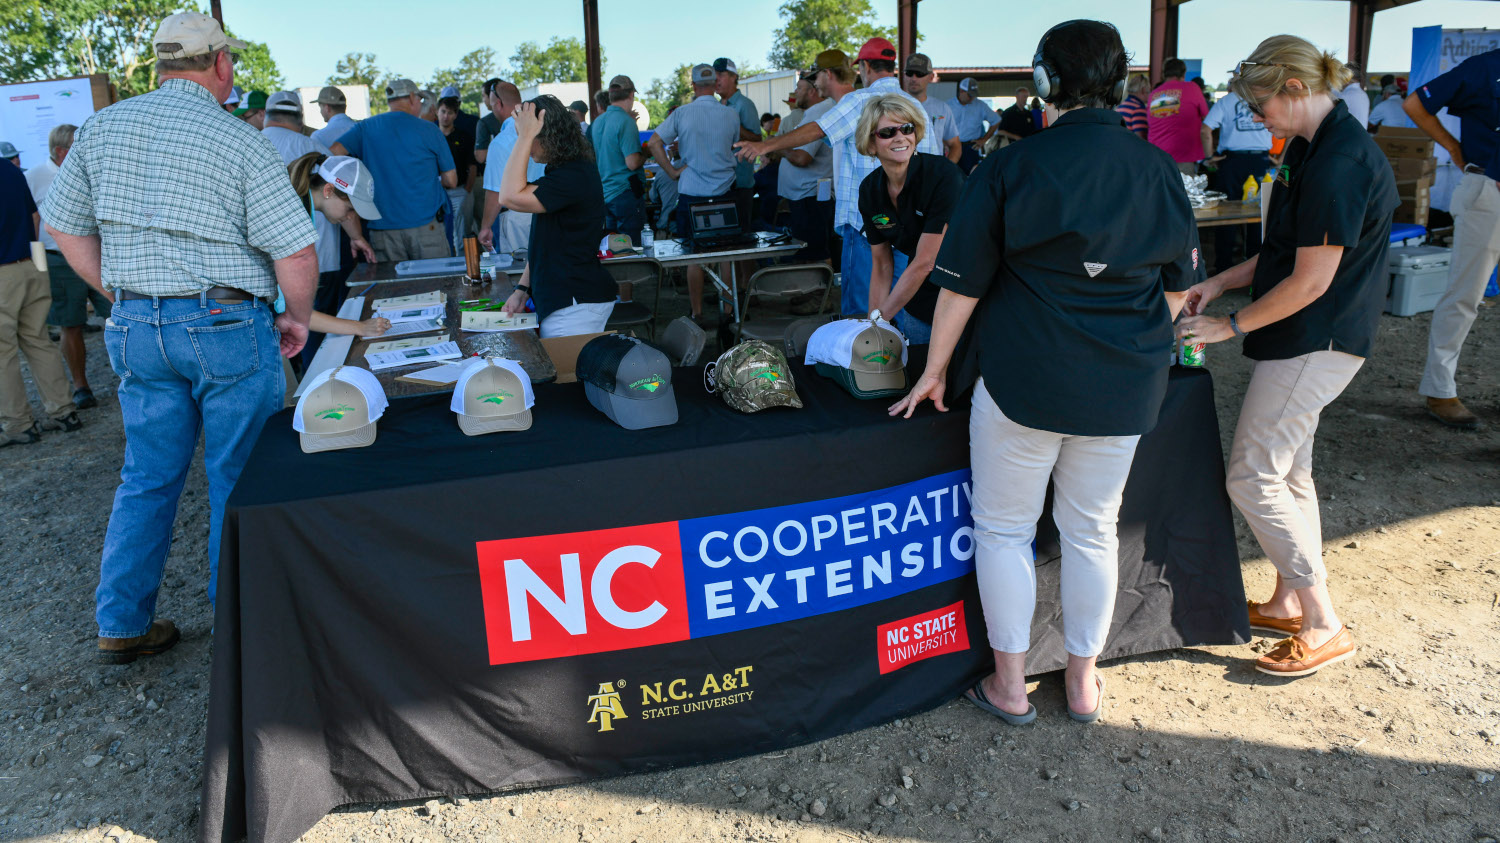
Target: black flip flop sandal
x: 975, y: 695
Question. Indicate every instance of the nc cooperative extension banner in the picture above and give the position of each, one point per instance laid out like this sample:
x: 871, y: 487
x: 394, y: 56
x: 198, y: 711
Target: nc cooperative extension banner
x: 444, y: 614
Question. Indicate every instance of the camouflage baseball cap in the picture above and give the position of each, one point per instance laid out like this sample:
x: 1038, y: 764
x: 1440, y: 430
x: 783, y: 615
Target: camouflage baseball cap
x: 752, y: 376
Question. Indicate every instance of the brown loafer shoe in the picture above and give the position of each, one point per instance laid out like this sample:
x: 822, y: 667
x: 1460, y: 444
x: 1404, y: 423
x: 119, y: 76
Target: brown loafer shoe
x: 161, y: 637
x: 1452, y: 412
x: 1293, y: 657
x: 1267, y: 625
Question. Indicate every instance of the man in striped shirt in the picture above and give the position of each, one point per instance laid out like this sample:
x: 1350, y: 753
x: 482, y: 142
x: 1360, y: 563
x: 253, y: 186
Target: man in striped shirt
x: 184, y: 215
x: 1133, y: 109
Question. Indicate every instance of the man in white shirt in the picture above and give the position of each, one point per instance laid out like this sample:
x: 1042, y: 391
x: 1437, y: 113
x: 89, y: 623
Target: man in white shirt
x: 1388, y: 112
x: 502, y: 229
x: 1244, y: 148
x: 1355, y: 97
x: 284, y: 127
x: 70, y: 294
x: 332, y: 105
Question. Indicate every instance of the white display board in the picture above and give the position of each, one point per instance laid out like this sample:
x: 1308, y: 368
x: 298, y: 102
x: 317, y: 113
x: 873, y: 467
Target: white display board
x: 29, y: 110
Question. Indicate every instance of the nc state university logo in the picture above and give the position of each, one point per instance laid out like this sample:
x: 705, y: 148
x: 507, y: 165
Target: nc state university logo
x: 563, y: 595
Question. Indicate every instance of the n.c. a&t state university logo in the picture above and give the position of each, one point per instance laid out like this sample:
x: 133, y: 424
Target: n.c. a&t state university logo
x: 605, y: 706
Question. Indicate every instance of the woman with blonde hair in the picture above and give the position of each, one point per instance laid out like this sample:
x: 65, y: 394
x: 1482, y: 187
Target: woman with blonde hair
x: 1318, y: 287
x: 905, y: 205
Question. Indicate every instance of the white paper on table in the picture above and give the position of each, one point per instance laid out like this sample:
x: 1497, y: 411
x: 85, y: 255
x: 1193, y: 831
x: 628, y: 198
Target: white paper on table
x: 414, y: 314
x: 401, y: 345
x: 415, y: 300
x: 401, y: 329
x: 493, y: 321
x: 445, y: 374
x: 409, y: 356
x: 335, y: 348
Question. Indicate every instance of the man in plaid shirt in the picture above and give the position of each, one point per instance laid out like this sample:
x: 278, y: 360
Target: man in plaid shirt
x: 184, y: 215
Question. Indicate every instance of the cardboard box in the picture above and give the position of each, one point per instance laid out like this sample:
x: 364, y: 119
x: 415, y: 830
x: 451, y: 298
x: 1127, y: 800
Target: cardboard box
x: 564, y: 354
x: 1396, y: 146
x: 1420, y: 189
x: 1385, y: 130
x: 1412, y: 210
x: 1408, y: 169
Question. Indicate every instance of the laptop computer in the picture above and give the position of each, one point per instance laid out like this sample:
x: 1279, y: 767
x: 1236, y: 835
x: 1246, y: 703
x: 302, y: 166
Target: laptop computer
x: 716, y: 225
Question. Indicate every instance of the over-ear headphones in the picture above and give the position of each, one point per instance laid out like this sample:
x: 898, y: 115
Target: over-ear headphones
x: 1046, y: 80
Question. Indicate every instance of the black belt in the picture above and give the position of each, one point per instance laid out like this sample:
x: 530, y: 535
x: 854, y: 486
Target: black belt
x: 222, y: 294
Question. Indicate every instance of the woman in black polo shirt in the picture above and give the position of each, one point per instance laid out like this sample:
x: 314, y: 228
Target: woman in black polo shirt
x: 1319, y: 286
x: 572, y: 292
x: 905, y: 205
x: 1072, y: 248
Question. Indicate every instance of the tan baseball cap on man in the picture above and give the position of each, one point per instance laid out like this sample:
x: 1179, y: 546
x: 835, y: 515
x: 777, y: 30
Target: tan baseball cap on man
x: 331, y: 95
x: 188, y: 34
x: 919, y: 64
x: 398, y: 88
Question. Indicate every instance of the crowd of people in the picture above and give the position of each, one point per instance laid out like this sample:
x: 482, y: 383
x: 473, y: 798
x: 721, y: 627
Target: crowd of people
x: 934, y: 235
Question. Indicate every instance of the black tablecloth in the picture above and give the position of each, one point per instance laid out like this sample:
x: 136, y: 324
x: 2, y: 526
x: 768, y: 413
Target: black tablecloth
x: 399, y: 621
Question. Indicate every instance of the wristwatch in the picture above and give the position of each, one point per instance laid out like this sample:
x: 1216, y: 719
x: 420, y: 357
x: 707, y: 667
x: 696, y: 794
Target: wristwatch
x: 1234, y: 324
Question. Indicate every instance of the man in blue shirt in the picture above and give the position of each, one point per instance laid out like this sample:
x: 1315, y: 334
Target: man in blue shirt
x: 1470, y: 92
x: 25, y: 298
x: 617, y: 152
x: 971, y: 114
x: 1244, y: 150
x: 413, y: 168
x: 727, y: 86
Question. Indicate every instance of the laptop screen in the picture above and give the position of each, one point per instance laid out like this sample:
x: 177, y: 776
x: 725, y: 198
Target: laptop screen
x: 713, y: 218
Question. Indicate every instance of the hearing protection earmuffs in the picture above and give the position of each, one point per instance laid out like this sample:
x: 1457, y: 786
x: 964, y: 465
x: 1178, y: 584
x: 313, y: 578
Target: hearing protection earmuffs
x: 1048, y: 84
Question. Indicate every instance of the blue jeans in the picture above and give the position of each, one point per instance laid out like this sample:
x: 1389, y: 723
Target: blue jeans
x: 854, y: 295
x: 185, y: 365
x: 623, y: 214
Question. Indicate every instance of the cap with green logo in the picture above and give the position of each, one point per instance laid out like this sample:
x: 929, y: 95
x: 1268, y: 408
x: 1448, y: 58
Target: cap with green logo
x: 338, y: 409
x: 752, y: 376
x: 629, y: 380
x: 867, y: 357
x: 492, y: 394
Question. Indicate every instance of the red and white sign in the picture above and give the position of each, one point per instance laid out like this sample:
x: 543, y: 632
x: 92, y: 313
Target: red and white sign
x: 923, y: 636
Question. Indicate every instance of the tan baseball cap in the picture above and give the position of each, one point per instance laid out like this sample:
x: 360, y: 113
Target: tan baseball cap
x: 829, y: 59
x: 188, y: 34
x: 919, y: 63
x: 398, y: 88
x: 621, y: 82
x: 492, y: 394
x: 331, y: 95
x: 339, y: 410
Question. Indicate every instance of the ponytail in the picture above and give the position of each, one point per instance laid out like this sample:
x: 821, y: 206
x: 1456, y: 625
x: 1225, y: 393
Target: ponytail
x: 304, y: 173
x: 1283, y: 57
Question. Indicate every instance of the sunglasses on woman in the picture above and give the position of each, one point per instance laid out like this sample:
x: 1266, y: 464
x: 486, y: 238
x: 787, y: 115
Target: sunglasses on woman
x: 888, y: 132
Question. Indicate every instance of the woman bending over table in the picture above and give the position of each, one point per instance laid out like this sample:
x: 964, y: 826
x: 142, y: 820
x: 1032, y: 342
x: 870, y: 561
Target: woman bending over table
x: 1072, y: 344
x: 1318, y: 288
x: 905, y: 204
x: 573, y: 293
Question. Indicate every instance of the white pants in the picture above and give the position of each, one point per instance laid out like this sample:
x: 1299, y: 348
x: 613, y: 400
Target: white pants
x: 515, y: 232
x: 1476, y: 250
x: 577, y: 319
x: 1011, y: 465
x: 1270, y: 463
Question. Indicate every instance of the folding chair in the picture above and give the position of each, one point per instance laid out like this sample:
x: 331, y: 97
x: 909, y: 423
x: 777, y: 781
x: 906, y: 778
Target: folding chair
x: 628, y: 316
x: 781, y: 283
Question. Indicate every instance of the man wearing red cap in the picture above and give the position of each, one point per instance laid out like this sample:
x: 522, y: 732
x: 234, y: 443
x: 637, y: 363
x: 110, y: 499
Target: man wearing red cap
x: 877, y: 67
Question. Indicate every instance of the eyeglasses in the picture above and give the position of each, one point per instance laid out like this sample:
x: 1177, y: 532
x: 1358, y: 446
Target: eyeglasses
x: 914, y: 73
x: 888, y: 132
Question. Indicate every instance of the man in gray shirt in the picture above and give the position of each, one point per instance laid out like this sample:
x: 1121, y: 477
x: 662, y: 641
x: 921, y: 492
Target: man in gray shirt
x: 705, y: 132
x: 915, y: 79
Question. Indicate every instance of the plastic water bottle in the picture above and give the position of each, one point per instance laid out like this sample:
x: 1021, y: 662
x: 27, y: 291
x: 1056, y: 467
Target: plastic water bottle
x: 648, y: 239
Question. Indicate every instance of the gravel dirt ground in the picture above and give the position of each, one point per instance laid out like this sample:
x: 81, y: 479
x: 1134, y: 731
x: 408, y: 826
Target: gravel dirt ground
x: 1400, y: 743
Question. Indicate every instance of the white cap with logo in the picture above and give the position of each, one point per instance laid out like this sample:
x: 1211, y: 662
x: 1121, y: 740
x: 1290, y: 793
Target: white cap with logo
x: 286, y: 102
x: 354, y: 180
x: 492, y: 394
x: 188, y: 34
x: 339, y: 410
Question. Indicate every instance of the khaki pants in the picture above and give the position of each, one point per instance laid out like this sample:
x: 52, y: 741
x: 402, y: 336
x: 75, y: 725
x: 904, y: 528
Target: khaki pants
x: 1476, y: 249
x: 1270, y: 463
x: 25, y: 298
x: 409, y: 244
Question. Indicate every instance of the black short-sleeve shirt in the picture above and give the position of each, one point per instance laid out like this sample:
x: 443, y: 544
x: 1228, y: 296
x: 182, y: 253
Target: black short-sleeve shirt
x: 461, y: 144
x: 1336, y: 190
x: 1068, y: 239
x: 926, y: 202
x: 1018, y: 121
x: 564, y: 245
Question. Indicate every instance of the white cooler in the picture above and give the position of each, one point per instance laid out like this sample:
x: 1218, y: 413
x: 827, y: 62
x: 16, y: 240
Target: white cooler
x: 1419, y: 276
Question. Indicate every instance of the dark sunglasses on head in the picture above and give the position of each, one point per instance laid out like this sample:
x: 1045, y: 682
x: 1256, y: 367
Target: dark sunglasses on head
x: 888, y: 132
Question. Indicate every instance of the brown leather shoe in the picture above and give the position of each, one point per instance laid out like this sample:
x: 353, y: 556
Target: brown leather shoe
x: 1452, y: 412
x: 161, y: 637
x: 1293, y: 657
x: 1267, y: 625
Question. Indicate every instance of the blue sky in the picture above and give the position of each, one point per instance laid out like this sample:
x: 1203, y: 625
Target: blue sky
x: 413, y: 39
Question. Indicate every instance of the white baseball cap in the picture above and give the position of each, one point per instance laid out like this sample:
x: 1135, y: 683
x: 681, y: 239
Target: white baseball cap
x: 492, y: 394
x: 188, y: 34
x: 235, y: 95
x: 289, y: 102
x: 339, y: 410
x: 354, y: 179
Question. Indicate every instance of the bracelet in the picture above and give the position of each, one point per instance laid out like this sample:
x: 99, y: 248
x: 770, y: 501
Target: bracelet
x: 1234, y: 324
x: 522, y: 288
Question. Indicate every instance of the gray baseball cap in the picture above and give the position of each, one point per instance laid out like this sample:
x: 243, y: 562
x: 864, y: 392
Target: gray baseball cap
x: 703, y: 74
x: 628, y: 380
x: 398, y: 88
x: 331, y: 95
x: 286, y: 102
